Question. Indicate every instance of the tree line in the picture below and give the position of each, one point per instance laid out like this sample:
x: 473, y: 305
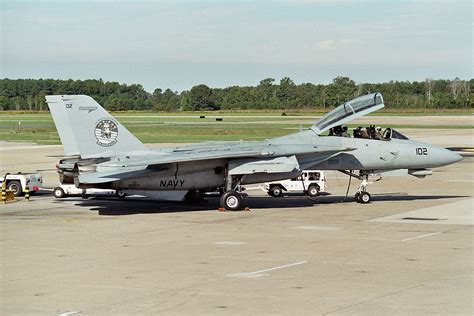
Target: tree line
x: 28, y: 94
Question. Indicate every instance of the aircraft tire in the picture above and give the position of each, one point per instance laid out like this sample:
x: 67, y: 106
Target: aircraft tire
x: 231, y: 201
x: 364, y: 197
x: 276, y: 191
x: 313, y: 190
x: 58, y: 193
x: 15, y: 186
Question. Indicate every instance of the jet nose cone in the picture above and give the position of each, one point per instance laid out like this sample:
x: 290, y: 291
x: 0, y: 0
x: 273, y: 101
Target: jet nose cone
x: 451, y: 157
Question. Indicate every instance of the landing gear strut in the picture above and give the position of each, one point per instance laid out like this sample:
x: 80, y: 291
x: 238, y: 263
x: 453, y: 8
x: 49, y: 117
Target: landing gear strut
x: 230, y: 199
x: 362, y: 196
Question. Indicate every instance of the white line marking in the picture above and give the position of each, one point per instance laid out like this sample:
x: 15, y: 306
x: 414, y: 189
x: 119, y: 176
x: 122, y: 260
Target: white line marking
x: 422, y: 236
x: 259, y: 273
x: 68, y: 313
x: 317, y: 227
x: 229, y: 243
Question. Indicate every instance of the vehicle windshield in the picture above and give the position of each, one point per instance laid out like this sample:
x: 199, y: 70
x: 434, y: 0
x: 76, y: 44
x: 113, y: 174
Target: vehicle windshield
x: 349, y: 111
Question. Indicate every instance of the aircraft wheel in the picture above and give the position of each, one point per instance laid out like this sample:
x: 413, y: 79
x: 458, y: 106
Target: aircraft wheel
x: 15, y: 186
x: 313, y: 190
x: 276, y: 191
x: 58, y: 193
x: 364, y: 197
x: 231, y: 200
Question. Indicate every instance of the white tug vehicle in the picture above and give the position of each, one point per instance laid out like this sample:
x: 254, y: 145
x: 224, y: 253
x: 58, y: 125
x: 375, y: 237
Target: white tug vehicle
x: 17, y: 182
x: 311, y: 182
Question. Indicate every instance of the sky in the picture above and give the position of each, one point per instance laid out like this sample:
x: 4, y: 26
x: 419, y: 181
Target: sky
x: 179, y: 44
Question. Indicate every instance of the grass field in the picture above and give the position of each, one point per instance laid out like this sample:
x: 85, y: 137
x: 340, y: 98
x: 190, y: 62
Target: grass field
x: 152, y: 127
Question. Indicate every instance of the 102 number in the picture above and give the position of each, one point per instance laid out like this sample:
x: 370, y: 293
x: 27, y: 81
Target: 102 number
x: 421, y: 151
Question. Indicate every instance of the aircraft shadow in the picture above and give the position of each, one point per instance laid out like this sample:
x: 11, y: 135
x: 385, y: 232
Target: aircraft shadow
x: 117, y: 207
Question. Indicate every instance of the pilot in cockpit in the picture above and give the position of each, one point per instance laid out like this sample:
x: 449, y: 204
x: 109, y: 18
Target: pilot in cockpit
x: 345, y: 132
x: 378, y: 133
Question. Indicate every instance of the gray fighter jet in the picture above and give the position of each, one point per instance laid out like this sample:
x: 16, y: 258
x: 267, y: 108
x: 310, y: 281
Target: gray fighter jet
x: 101, y: 153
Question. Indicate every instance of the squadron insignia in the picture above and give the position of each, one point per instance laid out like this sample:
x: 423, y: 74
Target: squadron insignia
x: 106, y: 132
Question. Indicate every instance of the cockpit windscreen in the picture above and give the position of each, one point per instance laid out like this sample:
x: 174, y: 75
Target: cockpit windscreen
x: 397, y: 135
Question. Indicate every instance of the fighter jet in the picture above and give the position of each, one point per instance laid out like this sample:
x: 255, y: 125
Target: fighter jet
x: 101, y: 153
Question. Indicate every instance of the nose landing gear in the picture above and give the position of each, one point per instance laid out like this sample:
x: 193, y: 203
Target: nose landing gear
x: 361, y: 196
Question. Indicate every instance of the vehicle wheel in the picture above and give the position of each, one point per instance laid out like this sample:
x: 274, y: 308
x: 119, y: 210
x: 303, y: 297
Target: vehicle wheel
x: 276, y: 191
x: 58, y: 193
x: 231, y: 200
x: 15, y: 186
x: 356, y: 196
x: 364, y: 197
x: 120, y: 194
x: 313, y: 190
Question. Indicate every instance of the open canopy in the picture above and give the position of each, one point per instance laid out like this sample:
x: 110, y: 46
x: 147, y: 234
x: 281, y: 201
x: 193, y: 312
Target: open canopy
x: 349, y: 111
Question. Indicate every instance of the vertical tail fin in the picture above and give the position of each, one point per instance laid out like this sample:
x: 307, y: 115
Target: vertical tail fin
x: 87, y: 129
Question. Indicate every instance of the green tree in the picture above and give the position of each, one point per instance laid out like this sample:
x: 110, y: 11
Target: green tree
x: 341, y: 89
x: 266, y: 89
x: 286, y: 91
x: 4, y: 103
x: 200, y: 98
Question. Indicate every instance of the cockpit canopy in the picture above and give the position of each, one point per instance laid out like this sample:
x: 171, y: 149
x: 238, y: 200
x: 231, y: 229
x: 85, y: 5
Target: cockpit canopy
x: 349, y: 111
x: 397, y: 135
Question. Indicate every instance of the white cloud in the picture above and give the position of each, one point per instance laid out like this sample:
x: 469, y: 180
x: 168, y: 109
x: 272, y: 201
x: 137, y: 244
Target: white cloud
x: 327, y: 44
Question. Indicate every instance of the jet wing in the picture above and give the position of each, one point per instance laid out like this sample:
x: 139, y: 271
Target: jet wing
x: 109, y: 171
x: 349, y: 111
x: 234, y: 152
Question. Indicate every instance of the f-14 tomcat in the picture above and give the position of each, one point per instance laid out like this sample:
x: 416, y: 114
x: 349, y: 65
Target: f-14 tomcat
x: 101, y: 153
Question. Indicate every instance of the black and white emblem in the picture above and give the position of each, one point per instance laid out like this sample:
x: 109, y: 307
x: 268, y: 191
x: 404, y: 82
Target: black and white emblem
x: 106, y: 132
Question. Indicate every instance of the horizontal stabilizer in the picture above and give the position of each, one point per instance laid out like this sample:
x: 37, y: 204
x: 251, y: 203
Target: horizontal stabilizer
x: 114, y: 175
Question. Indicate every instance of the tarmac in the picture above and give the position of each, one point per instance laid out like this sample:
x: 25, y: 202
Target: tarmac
x: 409, y: 252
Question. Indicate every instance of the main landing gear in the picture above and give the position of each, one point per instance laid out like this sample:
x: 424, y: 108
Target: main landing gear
x: 230, y: 199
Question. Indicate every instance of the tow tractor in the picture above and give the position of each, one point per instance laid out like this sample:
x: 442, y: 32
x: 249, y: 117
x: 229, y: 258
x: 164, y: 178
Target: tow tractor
x: 311, y: 182
x: 17, y: 182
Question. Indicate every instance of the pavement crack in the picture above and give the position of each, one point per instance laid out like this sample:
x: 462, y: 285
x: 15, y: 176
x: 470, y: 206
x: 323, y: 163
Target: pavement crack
x: 373, y: 299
